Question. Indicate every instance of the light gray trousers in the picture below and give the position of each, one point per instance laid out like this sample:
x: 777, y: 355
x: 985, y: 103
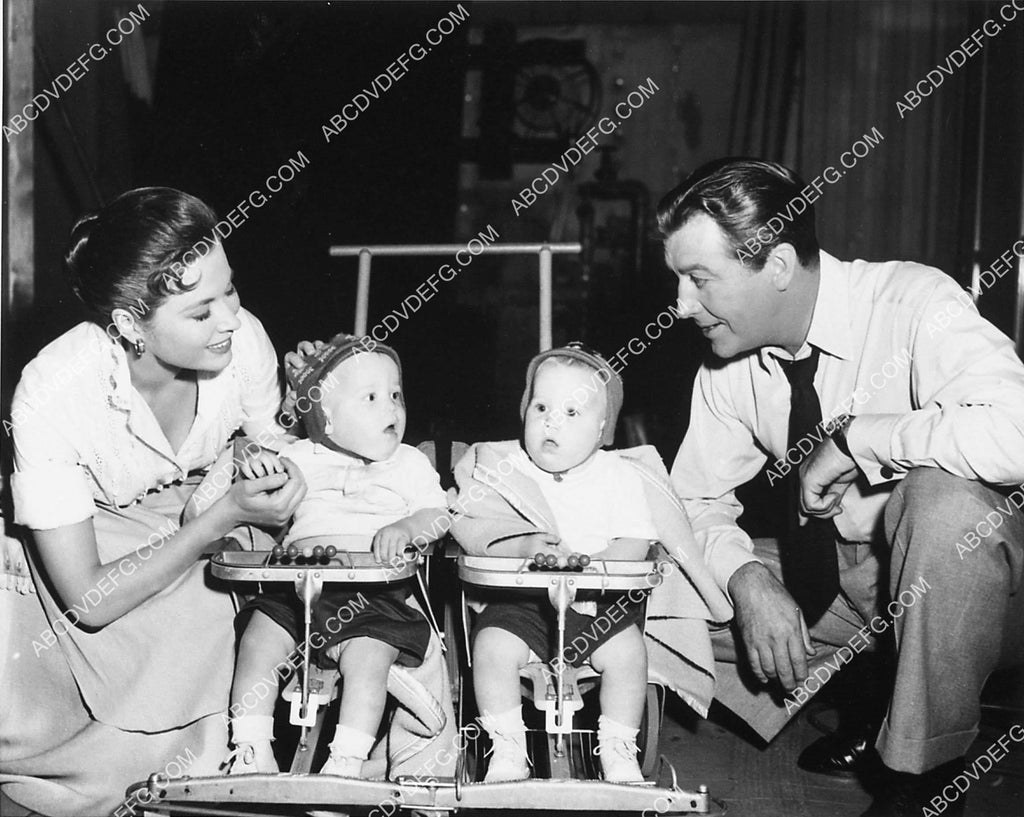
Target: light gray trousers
x: 954, y: 598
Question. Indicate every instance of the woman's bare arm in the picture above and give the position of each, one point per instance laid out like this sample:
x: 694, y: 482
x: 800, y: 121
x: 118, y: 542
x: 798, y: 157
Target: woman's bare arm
x: 71, y: 559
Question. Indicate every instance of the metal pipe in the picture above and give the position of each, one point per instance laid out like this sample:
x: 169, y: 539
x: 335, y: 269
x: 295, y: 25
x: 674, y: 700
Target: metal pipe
x: 363, y: 292
x: 544, y: 251
x: 347, y: 251
x: 545, y: 298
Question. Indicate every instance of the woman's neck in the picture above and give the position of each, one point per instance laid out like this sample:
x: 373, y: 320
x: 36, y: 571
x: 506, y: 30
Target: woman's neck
x: 150, y: 376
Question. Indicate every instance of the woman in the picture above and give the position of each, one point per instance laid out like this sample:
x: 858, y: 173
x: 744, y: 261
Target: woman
x: 122, y: 664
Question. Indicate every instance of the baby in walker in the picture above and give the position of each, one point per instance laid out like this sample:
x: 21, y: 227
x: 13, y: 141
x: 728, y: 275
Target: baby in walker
x: 558, y: 493
x: 361, y: 480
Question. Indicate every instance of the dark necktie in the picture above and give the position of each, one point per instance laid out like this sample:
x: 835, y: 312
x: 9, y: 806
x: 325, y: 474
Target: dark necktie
x: 810, y: 567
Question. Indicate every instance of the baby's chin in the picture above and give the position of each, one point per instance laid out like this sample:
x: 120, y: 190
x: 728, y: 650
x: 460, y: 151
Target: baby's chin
x: 377, y: 452
x: 554, y: 464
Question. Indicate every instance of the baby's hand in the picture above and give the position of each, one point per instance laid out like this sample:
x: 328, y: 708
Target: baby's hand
x: 546, y: 543
x: 255, y: 462
x: 390, y: 542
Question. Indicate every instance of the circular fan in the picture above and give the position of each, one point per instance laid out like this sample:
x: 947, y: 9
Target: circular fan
x: 559, y: 100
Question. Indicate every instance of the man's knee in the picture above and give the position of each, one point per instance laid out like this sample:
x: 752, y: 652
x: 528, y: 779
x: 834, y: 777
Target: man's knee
x: 943, y: 523
x: 933, y: 504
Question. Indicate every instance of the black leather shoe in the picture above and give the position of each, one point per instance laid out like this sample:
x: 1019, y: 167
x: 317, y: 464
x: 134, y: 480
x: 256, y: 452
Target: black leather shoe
x: 844, y: 753
x: 918, y: 795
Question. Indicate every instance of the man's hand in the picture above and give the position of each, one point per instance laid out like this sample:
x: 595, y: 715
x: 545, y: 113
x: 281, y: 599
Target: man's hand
x: 771, y: 626
x: 825, y: 476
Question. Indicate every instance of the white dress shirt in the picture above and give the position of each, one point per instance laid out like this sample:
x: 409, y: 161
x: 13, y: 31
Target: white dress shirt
x: 84, y: 436
x: 930, y: 382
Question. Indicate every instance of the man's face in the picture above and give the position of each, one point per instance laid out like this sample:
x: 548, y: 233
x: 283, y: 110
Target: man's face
x: 734, y: 307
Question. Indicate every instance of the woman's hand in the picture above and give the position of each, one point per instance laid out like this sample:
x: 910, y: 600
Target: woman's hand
x: 267, y: 501
x: 295, y: 362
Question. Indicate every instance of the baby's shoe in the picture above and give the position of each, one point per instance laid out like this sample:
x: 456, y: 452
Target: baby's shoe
x: 508, y: 759
x: 616, y: 746
x: 251, y: 736
x: 349, y: 750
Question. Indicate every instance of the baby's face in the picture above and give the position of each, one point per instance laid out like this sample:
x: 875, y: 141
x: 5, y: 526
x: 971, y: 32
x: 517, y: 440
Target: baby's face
x: 365, y: 408
x: 565, y: 417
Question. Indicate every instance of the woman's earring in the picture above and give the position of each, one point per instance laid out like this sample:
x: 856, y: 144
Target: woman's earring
x: 140, y: 347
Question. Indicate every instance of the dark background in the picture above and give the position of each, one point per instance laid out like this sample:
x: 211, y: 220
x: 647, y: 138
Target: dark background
x: 240, y: 87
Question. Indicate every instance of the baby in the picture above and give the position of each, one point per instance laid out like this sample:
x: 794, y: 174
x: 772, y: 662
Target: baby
x: 575, y: 499
x: 361, y: 480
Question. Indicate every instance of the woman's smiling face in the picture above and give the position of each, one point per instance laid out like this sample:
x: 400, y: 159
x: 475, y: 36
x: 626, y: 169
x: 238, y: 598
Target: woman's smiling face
x: 192, y: 330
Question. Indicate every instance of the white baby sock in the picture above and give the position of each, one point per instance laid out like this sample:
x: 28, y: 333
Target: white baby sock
x: 349, y: 742
x: 252, y: 729
x: 509, y: 722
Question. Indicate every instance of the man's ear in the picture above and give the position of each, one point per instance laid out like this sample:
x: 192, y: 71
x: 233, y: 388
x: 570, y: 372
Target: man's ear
x: 781, y: 265
x: 127, y: 326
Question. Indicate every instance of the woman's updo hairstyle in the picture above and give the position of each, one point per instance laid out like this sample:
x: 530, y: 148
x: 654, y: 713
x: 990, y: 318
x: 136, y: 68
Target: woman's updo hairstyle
x: 131, y: 250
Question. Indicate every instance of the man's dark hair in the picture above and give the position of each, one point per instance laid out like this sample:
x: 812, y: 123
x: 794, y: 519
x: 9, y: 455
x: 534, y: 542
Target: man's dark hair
x: 741, y: 195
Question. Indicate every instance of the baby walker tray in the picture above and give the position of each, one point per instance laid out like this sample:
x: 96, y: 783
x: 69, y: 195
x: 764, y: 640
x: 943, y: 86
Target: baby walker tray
x: 304, y: 560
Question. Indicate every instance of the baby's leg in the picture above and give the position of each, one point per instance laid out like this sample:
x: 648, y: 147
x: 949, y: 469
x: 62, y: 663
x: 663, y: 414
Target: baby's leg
x: 265, y: 646
x: 622, y: 662
x: 364, y: 664
x: 497, y: 657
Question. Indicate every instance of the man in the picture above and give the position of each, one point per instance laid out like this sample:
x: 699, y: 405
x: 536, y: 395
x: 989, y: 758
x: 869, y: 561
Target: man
x: 892, y: 416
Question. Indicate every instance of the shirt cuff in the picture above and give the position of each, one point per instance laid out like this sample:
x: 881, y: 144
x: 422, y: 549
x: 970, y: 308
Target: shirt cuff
x: 51, y: 497
x: 726, y: 558
x: 869, y: 437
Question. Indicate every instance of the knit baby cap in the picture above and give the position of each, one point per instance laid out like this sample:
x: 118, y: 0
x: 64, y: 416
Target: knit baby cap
x: 603, y: 372
x: 308, y: 382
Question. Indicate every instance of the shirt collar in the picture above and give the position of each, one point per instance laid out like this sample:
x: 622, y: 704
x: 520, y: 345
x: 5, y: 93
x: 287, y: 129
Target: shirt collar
x: 574, y: 474
x: 830, y: 324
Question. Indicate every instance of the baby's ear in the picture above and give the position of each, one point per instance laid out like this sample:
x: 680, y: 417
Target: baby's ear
x: 328, y: 419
